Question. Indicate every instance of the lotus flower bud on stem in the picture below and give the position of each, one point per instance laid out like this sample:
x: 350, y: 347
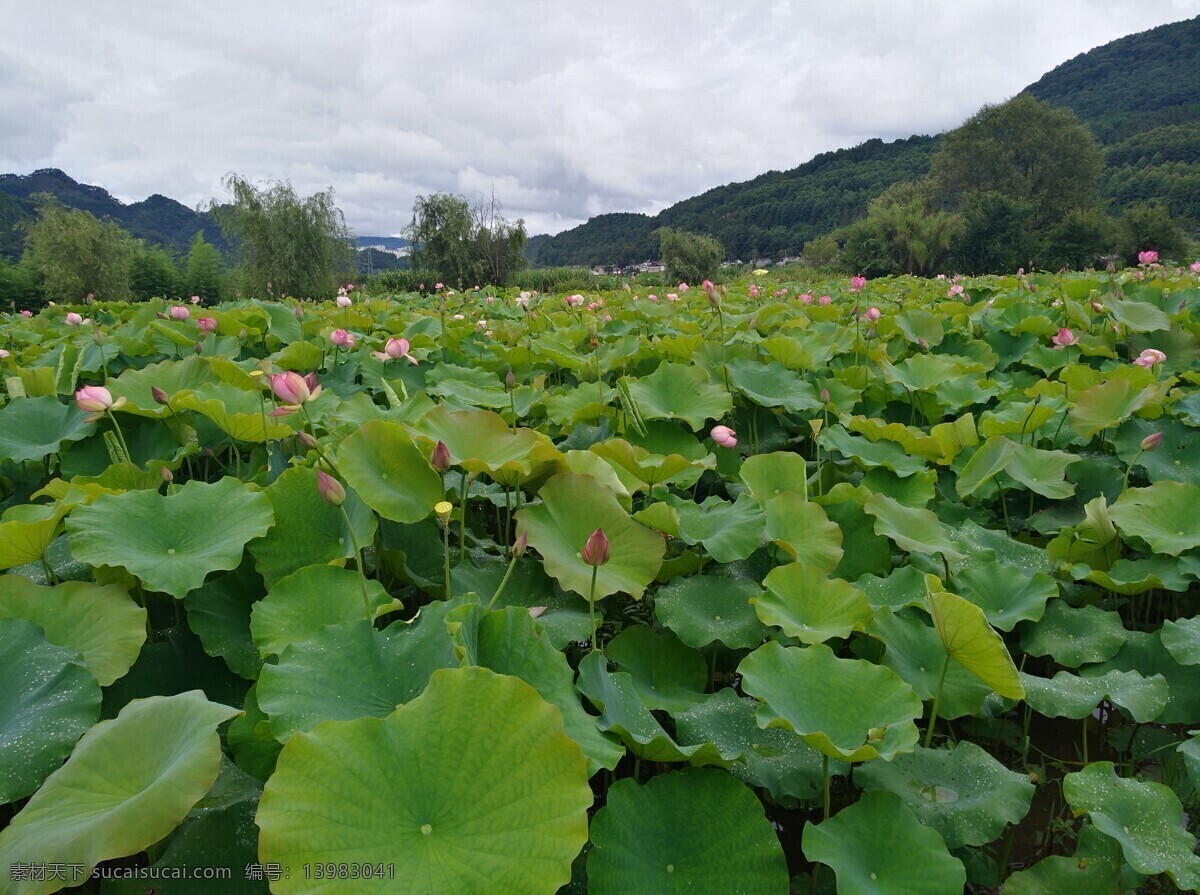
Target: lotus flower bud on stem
x: 520, y: 544
x: 1152, y: 441
x: 595, y: 551
x: 724, y: 436
x: 510, y: 381
x: 330, y: 489
x: 440, y: 459
x: 307, y: 440
x: 167, y: 475
x: 160, y: 397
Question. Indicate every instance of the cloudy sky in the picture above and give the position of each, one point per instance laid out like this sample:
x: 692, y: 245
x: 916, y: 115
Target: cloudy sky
x: 565, y: 109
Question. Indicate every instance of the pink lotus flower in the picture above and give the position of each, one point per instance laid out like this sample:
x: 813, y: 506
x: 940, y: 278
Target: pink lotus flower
x: 30, y: 313
x: 195, y: 299
x: 438, y: 286
x: 683, y: 287
x: 753, y: 290
x: 805, y: 298
x: 207, y: 324
x: 724, y: 436
x: 574, y: 301
x: 342, y: 339
x: 1064, y: 338
x: 1195, y: 268
x: 4, y: 353
x: 1150, y: 357
x: 954, y: 290
x: 857, y: 283
x: 330, y: 489
x: 523, y: 300
x: 73, y: 319
x: 871, y: 314
x: 394, y: 350
x: 1150, y: 257
x: 654, y: 298
x: 179, y: 312
x: 294, y: 389
x: 96, y: 399
x: 671, y: 296
x: 824, y: 300
x: 596, y: 550
x: 344, y: 301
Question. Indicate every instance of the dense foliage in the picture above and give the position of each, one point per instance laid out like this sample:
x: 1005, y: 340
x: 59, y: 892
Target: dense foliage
x: 464, y: 245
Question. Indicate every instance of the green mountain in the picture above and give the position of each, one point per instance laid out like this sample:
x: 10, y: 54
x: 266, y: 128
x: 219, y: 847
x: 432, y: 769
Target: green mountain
x: 1139, y: 94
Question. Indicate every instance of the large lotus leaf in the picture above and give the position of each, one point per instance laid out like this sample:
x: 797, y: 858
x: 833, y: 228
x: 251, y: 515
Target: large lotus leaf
x: 1004, y: 599
x: 31, y: 428
x: 914, y: 441
x: 250, y: 740
x: 693, y: 830
x: 809, y: 605
x: 1074, y: 637
x: 1104, y: 405
x: 470, y: 789
x: 1042, y: 472
x: 973, y: 538
x: 803, y: 530
x: 1095, y: 869
x: 963, y: 793
x: 625, y: 715
x: 219, y: 614
x: 100, y: 622
x: 1068, y: 696
x: 128, y: 783
x: 1137, y: 316
x: 298, y: 606
x: 869, y: 453
x: 1177, y: 456
x: 574, y: 506
x: 172, y: 376
x: 307, y: 530
x: 649, y: 469
x: 769, y: 475
x: 171, y: 542
x: 773, y: 758
x: 1094, y: 541
x: 965, y: 633
x: 878, y: 847
x: 727, y: 531
x: 911, y: 528
x: 1014, y: 418
x: 1165, y: 515
x: 864, y: 551
x: 1145, y: 654
x: 1145, y: 817
x: 921, y: 372
x: 1136, y: 576
x: 848, y: 709
x: 238, y: 412
x: 48, y: 700
x: 351, y: 670
x: 666, y: 674
x: 511, y: 642
x: 915, y: 652
x: 901, y: 587
x: 1182, y: 639
x: 919, y: 325
x: 26, y: 531
x: 678, y: 392
x: 481, y: 441
x: 773, y: 385
x: 707, y: 608
x: 389, y: 472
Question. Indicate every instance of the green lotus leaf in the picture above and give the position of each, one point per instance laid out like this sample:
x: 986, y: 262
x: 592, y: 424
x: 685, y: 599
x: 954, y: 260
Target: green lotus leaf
x: 574, y: 406
x: 48, y: 700
x: 1103, y: 406
x: 708, y: 608
x: 773, y: 758
x: 511, y: 642
x: 1004, y: 599
x: 352, y: 671
x: 308, y: 530
x: 915, y: 653
x: 389, y: 472
x: 919, y: 325
x: 172, y: 376
x: 962, y: 792
x: 870, y: 454
x: 127, y: 784
x: 1181, y: 638
x: 238, y: 412
x: 470, y: 789
x: 1177, y: 456
x: 1068, y: 696
x: 481, y: 441
x: 1145, y: 654
x: 973, y: 538
x: 648, y: 468
x: 31, y: 428
x: 871, y: 846
x: 26, y: 531
x: 1094, y: 541
x: 1165, y: 515
x: 99, y: 622
x: 911, y: 528
x: 1014, y: 417
x: 1137, y: 576
x: 693, y: 830
x: 1042, y: 472
x: 901, y: 587
x: 171, y: 543
x: 924, y: 372
x: 803, y: 530
x: 1146, y: 818
x: 727, y: 531
x: 678, y: 392
x: 573, y: 506
x: 965, y: 633
x: 1074, y: 636
x: 917, y: 490
x: 914, y: 441
x: 769, y: 475
x: 848, y: 709
x: 1095, y: 869
x: 666, y: 674
x: 219, y: 613
x: 298, y: 606
x: 809, y: 605
x: 1190, y: 750
x: 864, y: 552
x: 250, y: 740
x: 625, y: 715
x: 773, y: 385
x: 1137, y: 316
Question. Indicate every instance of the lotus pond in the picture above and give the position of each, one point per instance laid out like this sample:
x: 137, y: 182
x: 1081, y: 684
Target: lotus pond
x: 882, y: 587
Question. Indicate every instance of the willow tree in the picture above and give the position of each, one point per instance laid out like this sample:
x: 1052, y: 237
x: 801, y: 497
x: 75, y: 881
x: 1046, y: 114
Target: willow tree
x: 286, y: 245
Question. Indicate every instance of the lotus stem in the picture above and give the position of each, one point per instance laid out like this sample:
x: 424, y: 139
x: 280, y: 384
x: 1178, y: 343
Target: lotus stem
x: 592, y: 607
x: 358, y: 560
x: 503, y: 581
x: 120, y: 435
x: 937, y: 700
x: 1132, y: 463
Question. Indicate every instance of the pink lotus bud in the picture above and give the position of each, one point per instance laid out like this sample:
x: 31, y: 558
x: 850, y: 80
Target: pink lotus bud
x: 1149, y: 358
x: 825, y: 396
x: 307, y: 440
x: 94, y: 399
x: 73, y: 319
x: 160, y: 397
x: 1097, y: 307
x: 1151, y: 441
x: 595, y: 551
x: 683, y: 287
x: 1195, y: 268
x: 438, y: 286
x: 167, y: 475
x: 871, y: 314
x: 330, y: 489
x: 440, y: 459
x: 28, y: 313
x: 344, y: 301
x: 290, y: 387
x: 4, y: 353
x: 510, y: 381
x: 753, y: 291
x: 179, y: 312
x: 922, y: 344
x: 520, y: 544
x: 1064, y: 338
x: 207, y: 324
x: 195, y: 299
x: 1150, y: 257
x: 299, y: 312
x: 724, y: 436
x: 857, y: 284
x: 342, y: 339
x: 198, y: 348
